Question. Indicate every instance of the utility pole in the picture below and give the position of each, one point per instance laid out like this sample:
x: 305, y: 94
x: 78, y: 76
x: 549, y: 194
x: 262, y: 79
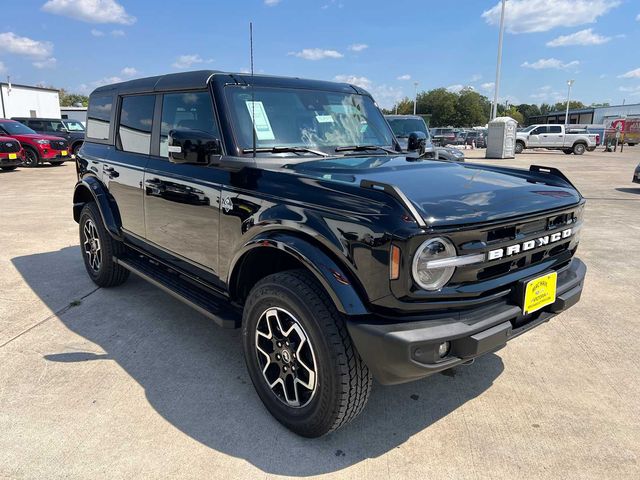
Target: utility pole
x: 566, y: 115
x: 415, y: 97
x: 494, y: 111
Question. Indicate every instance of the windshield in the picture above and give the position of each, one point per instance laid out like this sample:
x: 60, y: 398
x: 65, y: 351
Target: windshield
x: 313, y: 119
x: 73, y: 126
x: 402, y: 127
x: 528, y: 129
x: 16, y: 128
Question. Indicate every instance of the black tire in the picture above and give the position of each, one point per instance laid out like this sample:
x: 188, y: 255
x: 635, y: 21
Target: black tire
x: 631, y: 144
x: 8, y: 169
x: 75, y: 147
x: 567, y: 151
x: 343, y: 381
x: 31, y: 158
x: 104, y: 272
x: 579, y: 148
x: 56, y: 164
x: 519, y: 147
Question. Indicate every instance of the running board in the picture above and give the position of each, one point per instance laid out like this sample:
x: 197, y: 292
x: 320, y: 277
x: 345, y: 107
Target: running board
x: 200, y: 298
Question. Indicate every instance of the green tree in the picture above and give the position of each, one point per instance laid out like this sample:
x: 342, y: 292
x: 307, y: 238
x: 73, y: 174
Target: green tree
x: 545, y: 108
x: 573, y: 104
x: 528, y: 111
x: 596, y: 105
x: 441, y: 105
x: 72, y: 99
x: 472, y: 109
x: 515, y: 114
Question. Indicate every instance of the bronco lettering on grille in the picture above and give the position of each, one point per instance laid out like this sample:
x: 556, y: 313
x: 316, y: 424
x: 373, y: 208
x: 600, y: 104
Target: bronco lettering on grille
x: 528, y: 245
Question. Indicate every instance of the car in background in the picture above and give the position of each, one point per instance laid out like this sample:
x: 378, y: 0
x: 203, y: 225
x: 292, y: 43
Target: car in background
x: 11, y: 153
x: 476, y: 137
x: 443, y: 136
x: 71, y: 130
x: 37, y: 148
x: 404, y: 125
x: 554, y: 137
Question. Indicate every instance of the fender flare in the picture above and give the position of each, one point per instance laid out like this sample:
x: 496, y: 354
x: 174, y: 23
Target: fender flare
x: 332, y: 277
x: 108, y: 210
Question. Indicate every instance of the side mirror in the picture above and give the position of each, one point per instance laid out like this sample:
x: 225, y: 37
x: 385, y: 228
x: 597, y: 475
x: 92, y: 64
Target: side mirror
x: 417, y: 142
x: 192, y: 146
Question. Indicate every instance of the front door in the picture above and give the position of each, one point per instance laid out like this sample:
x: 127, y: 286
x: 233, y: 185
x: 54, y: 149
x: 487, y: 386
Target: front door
x: 538, y: 137
x: 182, y: 201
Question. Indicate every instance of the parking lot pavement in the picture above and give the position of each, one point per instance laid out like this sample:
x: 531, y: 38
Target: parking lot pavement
x: 128, y: 382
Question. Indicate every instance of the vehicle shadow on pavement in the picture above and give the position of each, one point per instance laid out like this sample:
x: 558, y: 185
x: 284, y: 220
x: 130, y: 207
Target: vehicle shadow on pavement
x: 629, y: 190
x: 193, y: 374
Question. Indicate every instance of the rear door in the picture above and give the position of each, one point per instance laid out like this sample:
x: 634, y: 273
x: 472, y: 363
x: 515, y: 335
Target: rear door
x: 555, y: 137
x: 123, y: 172
x: 182, y: 201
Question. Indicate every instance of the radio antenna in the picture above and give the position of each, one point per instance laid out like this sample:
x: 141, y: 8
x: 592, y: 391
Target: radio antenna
x: 253, y: 101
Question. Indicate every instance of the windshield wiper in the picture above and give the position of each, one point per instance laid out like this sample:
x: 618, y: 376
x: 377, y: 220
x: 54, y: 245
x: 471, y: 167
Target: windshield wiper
x: 285, y: 150
x: 362, y: 148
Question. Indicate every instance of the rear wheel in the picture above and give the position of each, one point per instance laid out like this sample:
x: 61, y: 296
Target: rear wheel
x: 7, y: 169
x: 99, y: 248
x: 31, y: 157
x: 519, y: 147
x: 567, y: 151
x: 579, y: 148
x: 300, y: 357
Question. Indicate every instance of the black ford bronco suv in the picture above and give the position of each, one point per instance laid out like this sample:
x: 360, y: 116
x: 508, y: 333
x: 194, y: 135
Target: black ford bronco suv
x: 285, y: 207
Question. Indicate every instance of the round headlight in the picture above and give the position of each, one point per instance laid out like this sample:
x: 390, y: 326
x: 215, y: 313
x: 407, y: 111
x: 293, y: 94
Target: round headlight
x: 433, y: 277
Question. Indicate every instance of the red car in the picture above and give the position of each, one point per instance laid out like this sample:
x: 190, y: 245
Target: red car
x: 11, y: 153
x: 37, y: 148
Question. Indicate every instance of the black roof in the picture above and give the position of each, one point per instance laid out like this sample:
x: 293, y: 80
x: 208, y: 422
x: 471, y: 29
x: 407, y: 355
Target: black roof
x: 200, y: 78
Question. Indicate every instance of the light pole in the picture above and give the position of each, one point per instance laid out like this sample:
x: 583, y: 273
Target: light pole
x: 415, y: 97
x: 566, y: 115
x: 494, y: 111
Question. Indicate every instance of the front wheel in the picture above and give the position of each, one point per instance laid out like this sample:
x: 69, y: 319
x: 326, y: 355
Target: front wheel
x: 519, y: 147
x: 579, y: 148
x: 56, y: 164
x: 99, y: 248
x: 300, y: 357
x: 31, y: 158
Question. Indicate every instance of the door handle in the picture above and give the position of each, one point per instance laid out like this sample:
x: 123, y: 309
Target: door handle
x: 153, y: 181
x: 110, y: 171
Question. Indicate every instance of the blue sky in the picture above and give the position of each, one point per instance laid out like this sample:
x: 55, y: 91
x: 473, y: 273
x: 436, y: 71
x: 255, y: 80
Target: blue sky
x: 383, y: 46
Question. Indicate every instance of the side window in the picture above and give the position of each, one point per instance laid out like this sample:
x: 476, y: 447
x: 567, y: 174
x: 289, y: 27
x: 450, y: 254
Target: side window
x: 190, y: 110
x: 55, y: 126
x: 37, y: 125
x: 99, y: 116
x: 539, y: 130
x: 136, y: 118
x: 555, y: 129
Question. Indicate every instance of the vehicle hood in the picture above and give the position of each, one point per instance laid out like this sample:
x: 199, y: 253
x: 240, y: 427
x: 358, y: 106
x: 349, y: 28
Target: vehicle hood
x: 7, y: 139
x: 450, y: 193
x: 36, y: 136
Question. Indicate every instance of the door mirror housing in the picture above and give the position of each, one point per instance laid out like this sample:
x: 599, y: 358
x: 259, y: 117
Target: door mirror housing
x: 417, y: 142
x: 193, y: 146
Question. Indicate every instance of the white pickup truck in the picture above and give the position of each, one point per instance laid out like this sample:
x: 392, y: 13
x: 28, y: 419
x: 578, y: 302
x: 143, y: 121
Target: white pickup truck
x: 554, y: 137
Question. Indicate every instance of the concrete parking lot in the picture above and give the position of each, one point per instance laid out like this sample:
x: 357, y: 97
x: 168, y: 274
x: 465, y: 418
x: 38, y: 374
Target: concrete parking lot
x: 130, y: 383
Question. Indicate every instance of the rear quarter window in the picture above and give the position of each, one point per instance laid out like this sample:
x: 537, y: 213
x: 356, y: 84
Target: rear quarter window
x: 99, y: 116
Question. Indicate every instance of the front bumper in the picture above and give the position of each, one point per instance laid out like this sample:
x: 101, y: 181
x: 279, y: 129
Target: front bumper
x: 5, y: 161
x: 404, y: 351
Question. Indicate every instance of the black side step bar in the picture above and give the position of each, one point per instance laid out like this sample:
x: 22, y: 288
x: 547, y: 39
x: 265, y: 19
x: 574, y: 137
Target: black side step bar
x: 205, y: 301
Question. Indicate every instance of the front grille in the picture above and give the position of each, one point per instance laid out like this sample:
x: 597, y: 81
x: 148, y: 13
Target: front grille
x: 59, y: 145
x: 502, y: 236
x: 9, y: 147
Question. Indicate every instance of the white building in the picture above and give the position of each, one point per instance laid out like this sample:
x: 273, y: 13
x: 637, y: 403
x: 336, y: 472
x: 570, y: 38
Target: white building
x: 26, y: 101
x: 74, y: 113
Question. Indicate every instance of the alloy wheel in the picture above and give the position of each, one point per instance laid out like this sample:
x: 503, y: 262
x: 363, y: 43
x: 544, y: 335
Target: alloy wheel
x: 91, y: 245
x: 285, y: 357
x: 30, y: 158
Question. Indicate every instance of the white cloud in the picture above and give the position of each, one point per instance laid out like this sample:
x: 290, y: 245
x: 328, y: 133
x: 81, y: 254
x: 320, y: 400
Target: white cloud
x: 475, y: 77
x: 316, y: 54
x: 271, y: 3
x: 358, y: 47
x: 129, y: 71
x: 383, y: 94
x: 3, y: 69
x: 106, y: 81
x: 545, y: 63
x: 97, y: 33
x: 633, y: 91
x: 488, y: 86
x: 526, y: 16
x: 638, y: 18
x: 91, y: 11
x: 455, y: 88
x: 631, y: 74
x: 187, y: 61
x: 583, y: 37
x: 547, y: 94
x: 12, y: 43
x: 406, y: 76
x: 117, y: 33
x: 48, y: 63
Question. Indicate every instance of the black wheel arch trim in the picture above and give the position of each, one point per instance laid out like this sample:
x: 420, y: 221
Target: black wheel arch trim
x: 338, y: 284
x: 108, y: 209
